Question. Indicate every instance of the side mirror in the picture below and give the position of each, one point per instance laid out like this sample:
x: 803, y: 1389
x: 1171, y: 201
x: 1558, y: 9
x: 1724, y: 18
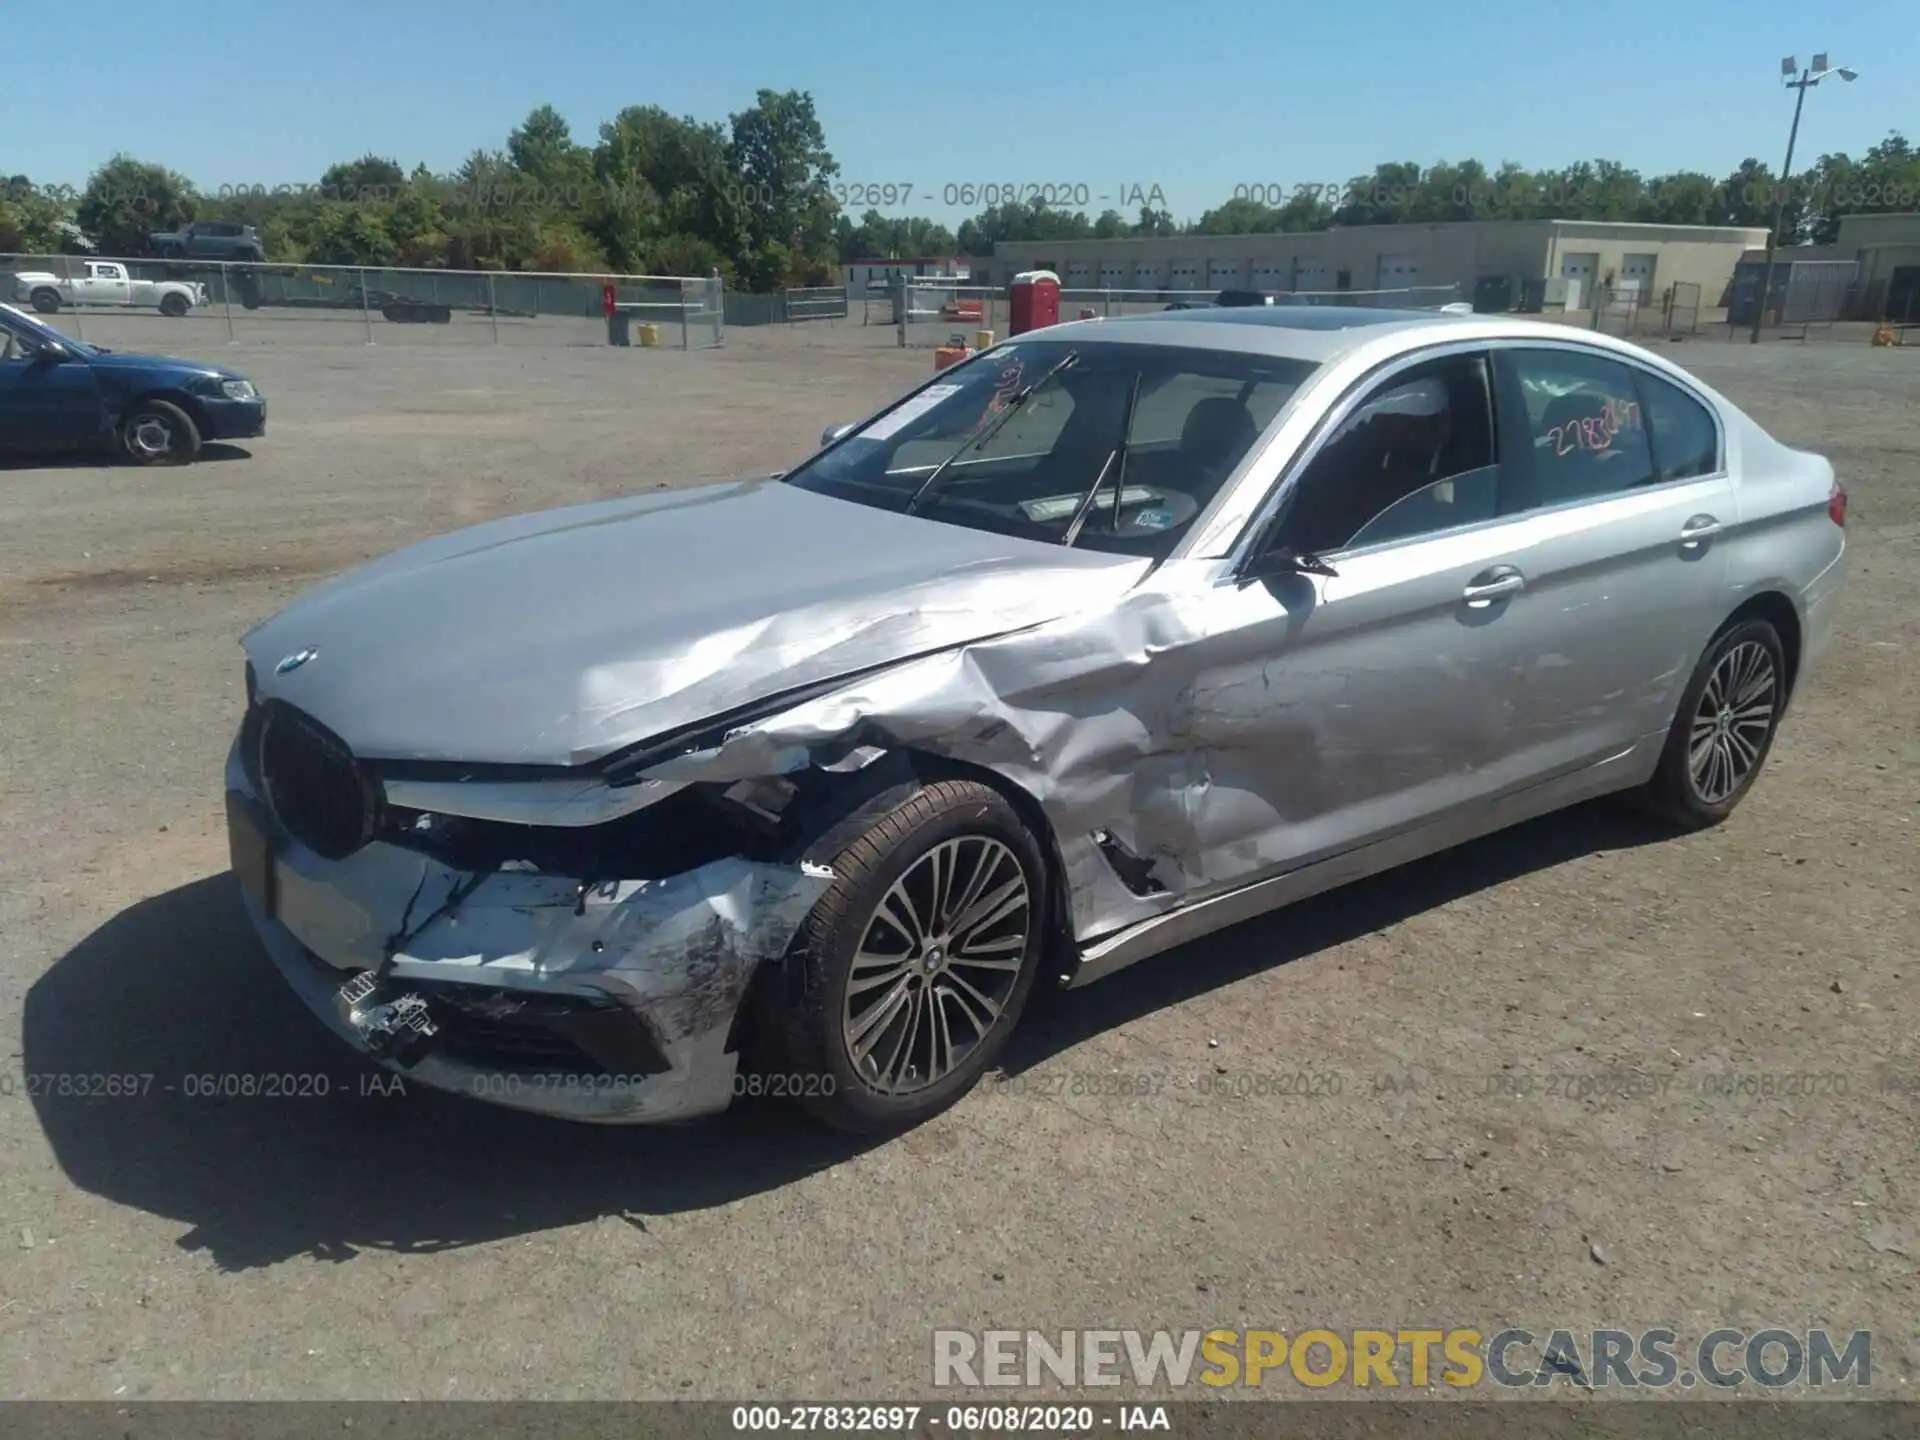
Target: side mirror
x: 1279, y: 561
x: 834, y: 432
x: 48, y: 353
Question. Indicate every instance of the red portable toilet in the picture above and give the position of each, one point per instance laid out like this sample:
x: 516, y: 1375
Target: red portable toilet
x: 1033, y: 301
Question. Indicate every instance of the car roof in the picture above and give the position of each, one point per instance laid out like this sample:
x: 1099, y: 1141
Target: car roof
x: 1297, y: 332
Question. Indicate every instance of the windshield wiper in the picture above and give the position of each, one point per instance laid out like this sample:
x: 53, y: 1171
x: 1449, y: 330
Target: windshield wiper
x: 925, y: 492
x: 1115, y: 457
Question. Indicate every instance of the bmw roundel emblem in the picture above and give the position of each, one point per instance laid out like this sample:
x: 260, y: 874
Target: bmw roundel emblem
x: 294, y: 661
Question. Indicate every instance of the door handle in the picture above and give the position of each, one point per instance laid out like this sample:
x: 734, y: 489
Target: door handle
x: 1700, y: 527
x: 1492, y: 585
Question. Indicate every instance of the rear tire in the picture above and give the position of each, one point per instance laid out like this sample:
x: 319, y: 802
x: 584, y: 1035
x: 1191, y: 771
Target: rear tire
x: 156, y: 433
x: 174, y: 305
x: 1723, y: 732
x: 914, y: 967
x: 46, y: 301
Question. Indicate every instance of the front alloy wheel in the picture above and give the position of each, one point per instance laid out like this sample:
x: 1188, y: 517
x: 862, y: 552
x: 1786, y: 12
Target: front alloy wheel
x: 937, y: 964
x: 914, y: 966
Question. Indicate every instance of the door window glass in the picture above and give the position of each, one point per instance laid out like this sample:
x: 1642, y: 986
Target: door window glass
x: 1686, y: 442
x: 1587, y: 437
x: 1416, y: 456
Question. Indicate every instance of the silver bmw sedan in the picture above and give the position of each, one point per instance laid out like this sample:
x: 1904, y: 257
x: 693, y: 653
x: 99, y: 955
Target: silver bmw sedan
x: 1113, y: 635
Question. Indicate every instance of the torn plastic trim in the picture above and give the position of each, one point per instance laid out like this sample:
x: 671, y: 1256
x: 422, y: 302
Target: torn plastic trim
x: 681, y: 950
x: 1135, y: 872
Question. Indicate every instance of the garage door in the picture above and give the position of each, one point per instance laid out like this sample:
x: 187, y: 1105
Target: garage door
x: 1578, y: 271
x: 1270, y: 277
x: 1223, y: 275
x: 1185, y: 275
x: 1310, y: 275
x: 1079, y: 275
x: 1398, y: 271
x: 1636, y: 276
x: 1113, y: 275
x: 1146, y: 275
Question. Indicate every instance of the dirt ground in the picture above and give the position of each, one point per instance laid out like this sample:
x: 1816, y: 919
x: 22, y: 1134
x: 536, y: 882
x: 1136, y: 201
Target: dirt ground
x: 1476, y: 1167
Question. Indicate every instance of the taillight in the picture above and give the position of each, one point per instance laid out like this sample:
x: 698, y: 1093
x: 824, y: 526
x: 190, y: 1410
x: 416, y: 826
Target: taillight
x: 1837, y: 504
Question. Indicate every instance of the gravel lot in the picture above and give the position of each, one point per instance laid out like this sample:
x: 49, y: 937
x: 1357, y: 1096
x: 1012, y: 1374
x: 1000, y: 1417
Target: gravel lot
x: 418, y: 1246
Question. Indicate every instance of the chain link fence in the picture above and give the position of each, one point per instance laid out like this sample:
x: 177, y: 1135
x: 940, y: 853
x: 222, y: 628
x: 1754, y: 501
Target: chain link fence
x: 246, y: 302
x: 1629, y: 313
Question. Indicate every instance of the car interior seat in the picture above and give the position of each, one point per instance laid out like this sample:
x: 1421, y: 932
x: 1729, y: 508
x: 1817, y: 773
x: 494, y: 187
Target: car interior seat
x: 1217, y: 433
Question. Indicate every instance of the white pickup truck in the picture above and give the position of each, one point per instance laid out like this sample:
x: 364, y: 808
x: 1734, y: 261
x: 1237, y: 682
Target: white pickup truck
x: 106, y: 283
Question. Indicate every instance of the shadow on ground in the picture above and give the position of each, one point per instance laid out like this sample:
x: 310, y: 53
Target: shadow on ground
x: 213, y: 450
x: 175, y: 988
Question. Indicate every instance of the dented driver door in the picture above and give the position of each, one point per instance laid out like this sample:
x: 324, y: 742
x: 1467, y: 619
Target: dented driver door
x: 1322, y: 713
x: 1346, y: 682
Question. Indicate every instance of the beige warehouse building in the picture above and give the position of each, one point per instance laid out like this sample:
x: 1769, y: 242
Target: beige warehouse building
x: 1560, y: 261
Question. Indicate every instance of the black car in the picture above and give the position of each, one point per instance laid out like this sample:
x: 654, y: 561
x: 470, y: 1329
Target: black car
x: 209, y: 240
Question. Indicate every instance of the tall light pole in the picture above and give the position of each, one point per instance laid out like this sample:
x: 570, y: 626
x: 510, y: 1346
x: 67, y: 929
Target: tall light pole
x: 1805, y: 81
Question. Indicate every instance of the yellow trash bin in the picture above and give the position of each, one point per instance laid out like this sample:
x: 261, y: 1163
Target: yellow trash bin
x: 983, y: 339
x: 649, y: 335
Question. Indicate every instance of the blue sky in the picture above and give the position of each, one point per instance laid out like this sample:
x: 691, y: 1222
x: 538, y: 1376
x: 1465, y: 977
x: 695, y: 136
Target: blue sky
x: 1106, y: 94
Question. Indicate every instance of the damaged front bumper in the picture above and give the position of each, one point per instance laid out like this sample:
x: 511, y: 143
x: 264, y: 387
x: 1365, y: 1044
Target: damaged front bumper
x: 612, y: 1002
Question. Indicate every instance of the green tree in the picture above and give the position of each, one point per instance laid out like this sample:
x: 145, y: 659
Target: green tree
x: 32, y: 221
x: 1155, y: 222
x: 1747, y: 195
x: 542, y: 146
x: 372, y: 179
x: 348, y: 234
x: 1887, y: 177
x: 126, y: 200
x: 1238, y: 216
x: 779, y: 150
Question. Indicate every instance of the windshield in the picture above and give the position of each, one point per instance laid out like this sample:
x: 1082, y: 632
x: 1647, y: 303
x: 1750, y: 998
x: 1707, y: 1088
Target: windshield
x: 38, y: 332
x: 1188, y: 417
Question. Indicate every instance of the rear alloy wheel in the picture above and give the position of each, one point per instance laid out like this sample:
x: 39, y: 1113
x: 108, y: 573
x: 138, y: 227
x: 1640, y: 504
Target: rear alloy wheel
x: 1725, y: 727
x: 174, y: 305
x: 46, y: 301
x: 156, y: 433
x: 915, y: 965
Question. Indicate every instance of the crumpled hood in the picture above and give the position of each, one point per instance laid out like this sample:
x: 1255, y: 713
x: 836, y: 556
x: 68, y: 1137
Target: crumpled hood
x: 559, y: 637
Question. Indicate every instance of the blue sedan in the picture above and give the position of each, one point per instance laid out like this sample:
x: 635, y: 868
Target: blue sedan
x: 59, y: 393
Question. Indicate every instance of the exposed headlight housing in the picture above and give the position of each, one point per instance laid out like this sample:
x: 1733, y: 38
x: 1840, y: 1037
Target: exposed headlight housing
x: 238, y: 390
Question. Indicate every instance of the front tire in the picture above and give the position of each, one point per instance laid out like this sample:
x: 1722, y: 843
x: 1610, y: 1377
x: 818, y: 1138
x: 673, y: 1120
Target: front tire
x: 156, y: 433
x: 1724, y: 730
x: 912, y: 970
x: 46, y: 301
